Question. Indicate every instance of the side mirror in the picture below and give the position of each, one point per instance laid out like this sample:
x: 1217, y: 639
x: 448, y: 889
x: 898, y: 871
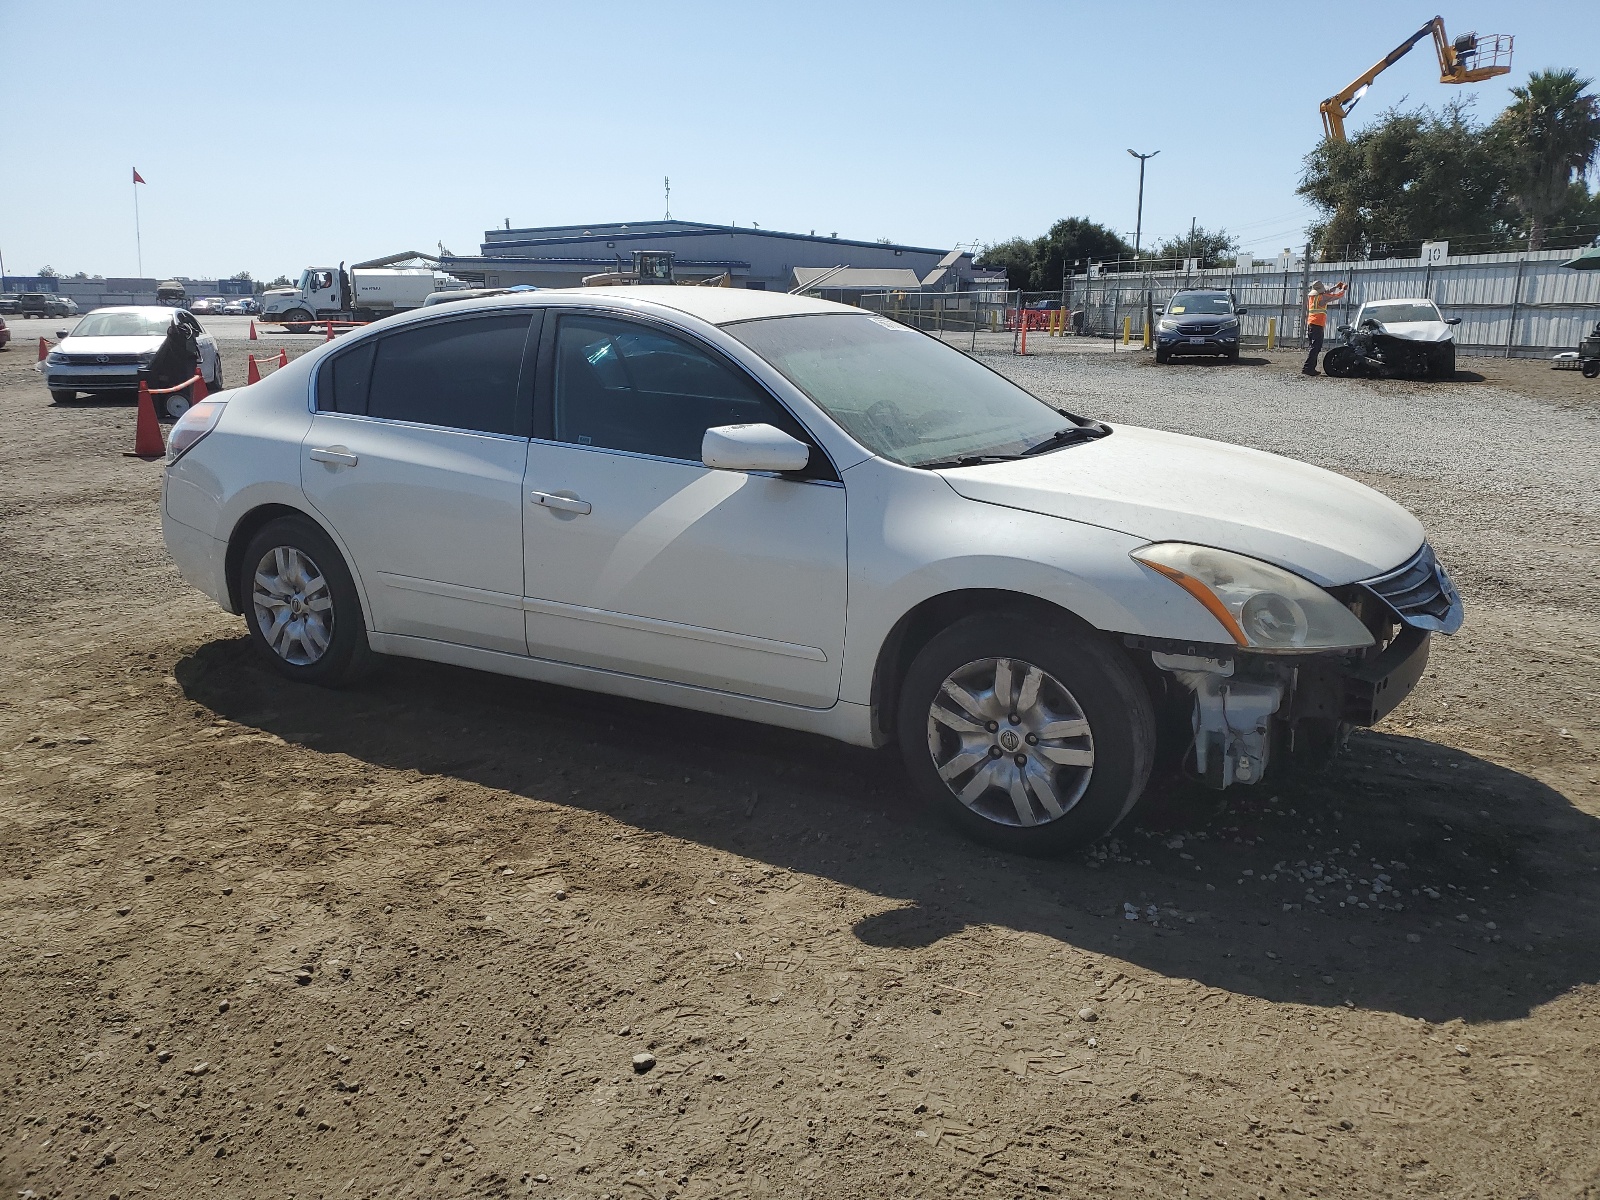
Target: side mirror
x: 60, y: 333
x: 1344, y: 329
x: 752, y: 448
x: 1239, y: 312
x: 1453, y: 321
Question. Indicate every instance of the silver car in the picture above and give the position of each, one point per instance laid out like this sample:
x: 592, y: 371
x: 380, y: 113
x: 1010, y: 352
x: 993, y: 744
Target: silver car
x: 105, y: 351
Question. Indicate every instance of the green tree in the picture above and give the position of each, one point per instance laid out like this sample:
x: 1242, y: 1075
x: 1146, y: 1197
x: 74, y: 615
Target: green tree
x: 48, y: 272
x: 1014, y: 257
x: 1038, y: 264
x: 1071, y: 242
x: 1551, y: 135
x: 242, y: 277
x: 1214, y: 248
x: 1410, y: 177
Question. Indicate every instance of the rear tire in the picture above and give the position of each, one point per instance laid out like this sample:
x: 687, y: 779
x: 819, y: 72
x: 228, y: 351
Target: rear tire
x: 978, y: 768
x: 301, y: 605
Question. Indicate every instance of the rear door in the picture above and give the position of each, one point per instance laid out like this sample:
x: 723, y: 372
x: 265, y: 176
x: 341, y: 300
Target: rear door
x: 415, y: 457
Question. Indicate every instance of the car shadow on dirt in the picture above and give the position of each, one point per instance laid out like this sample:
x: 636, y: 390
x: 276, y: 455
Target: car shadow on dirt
x: 1491, y: 878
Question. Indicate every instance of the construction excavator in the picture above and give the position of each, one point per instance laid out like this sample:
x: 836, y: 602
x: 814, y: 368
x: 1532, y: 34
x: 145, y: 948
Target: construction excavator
x: 1467, y: 59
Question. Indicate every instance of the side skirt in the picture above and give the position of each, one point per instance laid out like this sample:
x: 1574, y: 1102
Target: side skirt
x: 844, y: 721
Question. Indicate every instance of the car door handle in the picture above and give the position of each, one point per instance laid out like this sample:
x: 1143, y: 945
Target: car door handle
x: 569, y: 504
x: 337, y: 458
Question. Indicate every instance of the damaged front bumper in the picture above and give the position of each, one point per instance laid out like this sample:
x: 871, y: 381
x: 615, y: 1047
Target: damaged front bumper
x: 1242, y: 704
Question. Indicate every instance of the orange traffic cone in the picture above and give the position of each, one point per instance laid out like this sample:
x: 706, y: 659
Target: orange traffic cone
x: 253, y: 336
x: 44, y: 348
x: 329, y: 338
x: 283, y: 357
x: 198, y: 392
x: 253, y: 374
x: 147, y: 441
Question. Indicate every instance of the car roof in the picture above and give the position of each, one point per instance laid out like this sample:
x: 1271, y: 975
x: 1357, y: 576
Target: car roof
x: 144, y: 308
x: 717, y: 306
x: 1400, y: 300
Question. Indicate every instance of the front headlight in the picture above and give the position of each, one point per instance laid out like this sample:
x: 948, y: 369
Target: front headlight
x: 1166, y: 325
x: 55, y: 358
x: 146, y: 357
x: 1229, y: 326
x: 1261, y: 606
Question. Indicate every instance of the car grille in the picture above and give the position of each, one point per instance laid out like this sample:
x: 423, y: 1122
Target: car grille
x: 98, y: 360
x: 1197, y: 329
x: 1420, y: 593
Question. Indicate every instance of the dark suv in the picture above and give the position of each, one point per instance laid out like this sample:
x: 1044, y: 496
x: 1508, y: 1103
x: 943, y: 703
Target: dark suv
x: 1202, y: 321
x: 34, y: 304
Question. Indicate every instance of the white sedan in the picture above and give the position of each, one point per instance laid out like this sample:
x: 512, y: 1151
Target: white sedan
x: 798, y: 513
x: 105, y: 351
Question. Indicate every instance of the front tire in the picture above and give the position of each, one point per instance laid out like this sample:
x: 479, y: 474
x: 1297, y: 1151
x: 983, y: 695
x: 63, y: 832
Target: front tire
x: 301, y: 605
x: 1591, y: 368
x: 1030, y: 735
x: 61, y: 396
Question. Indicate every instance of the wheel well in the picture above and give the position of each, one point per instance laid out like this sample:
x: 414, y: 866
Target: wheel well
x: 937, y: 613
x: 249, y: 525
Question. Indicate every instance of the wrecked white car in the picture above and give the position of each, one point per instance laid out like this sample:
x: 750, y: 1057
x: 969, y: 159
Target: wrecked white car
x: 1403, y: 339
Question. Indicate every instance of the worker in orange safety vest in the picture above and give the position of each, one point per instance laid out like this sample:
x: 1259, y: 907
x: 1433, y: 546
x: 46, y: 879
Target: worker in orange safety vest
x: 1317, y: 319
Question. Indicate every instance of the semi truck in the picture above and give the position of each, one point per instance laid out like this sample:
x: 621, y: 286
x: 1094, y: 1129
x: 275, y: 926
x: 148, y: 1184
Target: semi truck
x: 333, y: 293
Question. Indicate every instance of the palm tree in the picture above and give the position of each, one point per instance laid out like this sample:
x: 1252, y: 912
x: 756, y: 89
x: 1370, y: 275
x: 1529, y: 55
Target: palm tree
x: 1553, y: 130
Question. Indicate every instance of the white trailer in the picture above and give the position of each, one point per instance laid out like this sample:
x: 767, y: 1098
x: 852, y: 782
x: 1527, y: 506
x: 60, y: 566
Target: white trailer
x: 333, y: 293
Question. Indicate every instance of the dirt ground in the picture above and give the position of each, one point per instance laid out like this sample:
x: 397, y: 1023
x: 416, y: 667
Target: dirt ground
x: 408, y: 940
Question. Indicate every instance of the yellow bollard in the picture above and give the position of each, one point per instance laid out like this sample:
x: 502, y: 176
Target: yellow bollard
x: 1147, y: 342
x: 1127, y: 330
x: 1272, y: 332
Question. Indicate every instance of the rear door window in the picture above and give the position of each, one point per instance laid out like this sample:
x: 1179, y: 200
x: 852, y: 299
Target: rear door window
x: 460, y: 374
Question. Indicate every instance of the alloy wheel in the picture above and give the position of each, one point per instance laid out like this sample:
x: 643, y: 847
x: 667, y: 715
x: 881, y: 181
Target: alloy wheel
x: 293, y: 605
x: 1010, y: 742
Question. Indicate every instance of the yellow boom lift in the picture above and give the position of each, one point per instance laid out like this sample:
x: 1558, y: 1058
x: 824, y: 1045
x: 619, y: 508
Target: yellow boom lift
x: 1468, y: 59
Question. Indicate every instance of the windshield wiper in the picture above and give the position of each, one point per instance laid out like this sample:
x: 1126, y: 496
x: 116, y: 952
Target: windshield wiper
x: 1067, y: 436
x: 968, y: 460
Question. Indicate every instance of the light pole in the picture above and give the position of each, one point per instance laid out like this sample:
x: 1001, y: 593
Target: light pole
x: 1138, y: 224
x: 1138, y: 230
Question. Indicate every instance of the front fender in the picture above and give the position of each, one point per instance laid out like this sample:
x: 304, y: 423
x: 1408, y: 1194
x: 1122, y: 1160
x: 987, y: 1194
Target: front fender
x: 918, y: 539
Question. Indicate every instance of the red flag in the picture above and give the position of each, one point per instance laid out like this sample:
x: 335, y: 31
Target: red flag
x: 137, y: 178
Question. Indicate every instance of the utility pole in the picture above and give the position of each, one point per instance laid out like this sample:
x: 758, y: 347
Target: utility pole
x: 666, y: 181
x: 1138, y: 224
x: 1138, y: 232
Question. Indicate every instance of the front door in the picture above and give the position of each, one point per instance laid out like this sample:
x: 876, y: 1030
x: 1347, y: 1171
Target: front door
x: 415, y: 457
x: 640, y: 559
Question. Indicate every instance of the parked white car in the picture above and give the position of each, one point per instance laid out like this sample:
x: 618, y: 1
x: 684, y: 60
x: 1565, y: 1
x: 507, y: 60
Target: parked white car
x: 798, y: 513
x: 105, y: 350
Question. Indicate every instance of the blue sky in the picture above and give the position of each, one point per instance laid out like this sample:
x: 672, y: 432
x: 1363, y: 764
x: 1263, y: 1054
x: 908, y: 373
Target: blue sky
x: 274, y: 136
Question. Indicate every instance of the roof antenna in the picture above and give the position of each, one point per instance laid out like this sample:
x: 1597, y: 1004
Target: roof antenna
x: 666, y: 181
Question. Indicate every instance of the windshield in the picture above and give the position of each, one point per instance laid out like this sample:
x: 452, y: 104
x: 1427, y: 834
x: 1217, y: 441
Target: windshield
x: 1419, y: 310
x: 1206, y: 304
x: 900, y: 393
x: 122, y: 324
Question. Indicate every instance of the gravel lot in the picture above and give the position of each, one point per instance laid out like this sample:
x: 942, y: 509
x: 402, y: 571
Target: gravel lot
x: 408, y: 940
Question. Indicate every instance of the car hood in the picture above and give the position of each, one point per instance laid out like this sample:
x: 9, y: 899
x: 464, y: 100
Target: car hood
x: 1417, y: 331
x: 1171, y: 487
x: 110, y: 345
